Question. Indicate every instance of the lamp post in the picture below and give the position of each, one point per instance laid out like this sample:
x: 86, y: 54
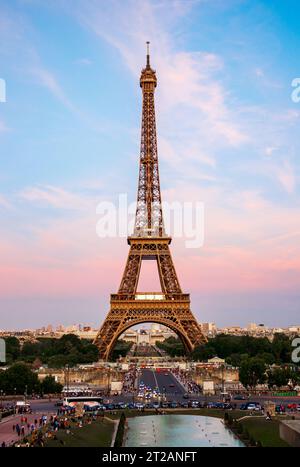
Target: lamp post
x: 67, y: 377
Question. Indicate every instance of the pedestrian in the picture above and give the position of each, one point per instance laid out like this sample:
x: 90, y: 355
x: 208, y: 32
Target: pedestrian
x: 3, y: 445
x: 14, y: 427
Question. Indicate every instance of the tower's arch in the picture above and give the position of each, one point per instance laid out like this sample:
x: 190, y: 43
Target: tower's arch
x: 165, y: 322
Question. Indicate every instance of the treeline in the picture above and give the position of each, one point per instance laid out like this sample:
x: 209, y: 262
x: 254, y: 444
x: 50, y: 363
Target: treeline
x: 236, y: 348
x: 120, y: 350
x: 173, y: 346
x: 20, y: 379
x: 56, y: 353
x: 252, y: 355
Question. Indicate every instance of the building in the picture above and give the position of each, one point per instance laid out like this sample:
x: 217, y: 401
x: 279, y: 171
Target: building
x: 209, y: 329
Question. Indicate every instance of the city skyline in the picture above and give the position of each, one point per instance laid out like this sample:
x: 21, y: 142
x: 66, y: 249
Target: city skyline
x: 227, y: 136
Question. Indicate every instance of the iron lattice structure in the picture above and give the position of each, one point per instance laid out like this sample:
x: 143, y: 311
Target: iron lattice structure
x: 169, y: 307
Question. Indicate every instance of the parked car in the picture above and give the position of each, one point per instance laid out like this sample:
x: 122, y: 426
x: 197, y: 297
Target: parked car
x: 184, y: 405
x: 110, y: 406
x: 194, y: 404
x: 243, y: 407
x: 239, y: 397
x: 139, y: 405
x: 121, y: 405
x: 253, y: 406
x: 280, y: 408
x: 173, y: 405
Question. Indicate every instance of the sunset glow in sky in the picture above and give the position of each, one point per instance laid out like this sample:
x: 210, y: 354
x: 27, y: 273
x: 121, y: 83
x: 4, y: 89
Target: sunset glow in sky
x: 228, y: 136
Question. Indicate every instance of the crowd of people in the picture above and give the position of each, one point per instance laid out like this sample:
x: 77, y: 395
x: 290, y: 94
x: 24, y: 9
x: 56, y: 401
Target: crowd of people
x: 183, y: 377
x: 129, y: 383
x: 46, y: 427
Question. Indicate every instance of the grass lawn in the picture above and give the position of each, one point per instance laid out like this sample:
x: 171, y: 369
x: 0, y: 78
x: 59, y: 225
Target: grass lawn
x: 267, y: 432
x: 97, y: 434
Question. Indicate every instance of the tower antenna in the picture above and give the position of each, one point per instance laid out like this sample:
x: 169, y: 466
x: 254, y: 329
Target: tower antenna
x: 148, y: 54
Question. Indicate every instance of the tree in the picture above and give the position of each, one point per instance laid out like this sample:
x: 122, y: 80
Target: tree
x: 19, y: 378
x: 50, y: 386
x: 278, y: 377
x: 252, y: 372
x: 281, y: 348
x: 12, y: 349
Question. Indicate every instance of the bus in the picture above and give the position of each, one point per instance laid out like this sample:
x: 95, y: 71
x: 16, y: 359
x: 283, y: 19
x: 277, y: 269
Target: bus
x: 88, y: 401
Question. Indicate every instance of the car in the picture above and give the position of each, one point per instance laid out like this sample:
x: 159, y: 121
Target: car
x: 292, y: 406
x: 121, y: 405
x: 186, y: 396
x: 173, y: 405
x: 253, y: 406
x: 280, y: 408
x: 194, y: 404
x: 139, y: 405
x: 184, y: 405
x: 164, y: 405
x: 171, y: 385
x: 156, y: 405
x: 239, y: 397
x: 110, y: 406
x: 217, y: 405
x: 213, y: 405
x: 130, y: 405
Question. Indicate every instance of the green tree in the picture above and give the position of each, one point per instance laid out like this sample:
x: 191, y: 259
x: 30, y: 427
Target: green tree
x: 252, y: 372
x: 18, y: 378
x: 50, y: 386
x: 278, y: 377
x: 281, y: 347
x: 12, y: 349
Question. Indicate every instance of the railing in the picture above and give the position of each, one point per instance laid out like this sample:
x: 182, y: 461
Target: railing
x: 150, y: 297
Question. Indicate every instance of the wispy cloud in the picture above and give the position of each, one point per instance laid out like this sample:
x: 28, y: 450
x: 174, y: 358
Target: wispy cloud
x: 3, y: 127
x: 47, y: 79
x: 59, y: 198
x: 4, y: 202
x: 189, y: 82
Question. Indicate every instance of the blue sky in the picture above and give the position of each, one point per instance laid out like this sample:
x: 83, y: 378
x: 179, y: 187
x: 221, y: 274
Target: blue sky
x: 228, y: 136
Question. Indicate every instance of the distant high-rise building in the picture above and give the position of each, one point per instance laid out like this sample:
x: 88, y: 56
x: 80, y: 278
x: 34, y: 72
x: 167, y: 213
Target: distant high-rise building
x: 208, y: 328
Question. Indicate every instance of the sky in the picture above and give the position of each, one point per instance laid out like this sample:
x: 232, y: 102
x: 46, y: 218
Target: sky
x: 228, y: 137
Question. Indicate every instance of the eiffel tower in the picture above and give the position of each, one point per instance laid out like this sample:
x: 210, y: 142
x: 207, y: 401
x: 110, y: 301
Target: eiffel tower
x: 149, y: 241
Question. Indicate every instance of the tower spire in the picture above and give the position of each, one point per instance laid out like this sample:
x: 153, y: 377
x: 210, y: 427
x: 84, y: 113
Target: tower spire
x: 148, y: 54
x: 149, y: 217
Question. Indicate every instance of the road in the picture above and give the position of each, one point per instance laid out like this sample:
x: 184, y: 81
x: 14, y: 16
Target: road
x: 164, y: 380
x: 39, y: 408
